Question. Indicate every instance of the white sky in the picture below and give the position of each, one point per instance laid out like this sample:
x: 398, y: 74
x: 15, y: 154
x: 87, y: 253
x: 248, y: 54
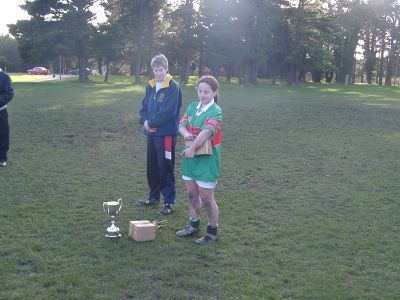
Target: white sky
x: 10, y: 13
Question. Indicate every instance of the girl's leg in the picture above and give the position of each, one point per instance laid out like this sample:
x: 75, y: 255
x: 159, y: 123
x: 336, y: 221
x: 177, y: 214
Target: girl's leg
x: 210, y: 205
x: 194, y: 208
x: 194, y: 199
x: 208, y: 200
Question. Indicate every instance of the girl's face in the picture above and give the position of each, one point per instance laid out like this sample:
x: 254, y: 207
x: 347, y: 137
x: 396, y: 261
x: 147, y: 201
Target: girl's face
x: 159, y: 73
x: 205, y: 93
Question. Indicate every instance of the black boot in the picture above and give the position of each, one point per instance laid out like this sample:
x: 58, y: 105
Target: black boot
x: 210, y: 236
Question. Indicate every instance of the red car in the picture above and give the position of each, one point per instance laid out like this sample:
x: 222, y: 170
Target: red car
x: 38, y: 71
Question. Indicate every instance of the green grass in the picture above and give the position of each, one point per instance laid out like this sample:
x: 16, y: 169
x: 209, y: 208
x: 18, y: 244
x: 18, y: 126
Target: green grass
x: 309, y: 197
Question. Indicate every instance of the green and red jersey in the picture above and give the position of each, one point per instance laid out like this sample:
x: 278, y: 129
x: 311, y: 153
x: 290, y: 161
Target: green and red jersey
x: 203, y: 167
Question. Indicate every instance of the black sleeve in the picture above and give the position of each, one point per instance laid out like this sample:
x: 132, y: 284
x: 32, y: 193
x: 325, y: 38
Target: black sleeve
x: 143, y: 111
x: 6, y: 89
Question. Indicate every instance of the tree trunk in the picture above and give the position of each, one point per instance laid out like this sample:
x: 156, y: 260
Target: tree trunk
x: 100, y: 66
x: 362, y: 74
x: 396, y: 69
x: 131, y: 69
x: 245, y: 76
x: 83, y: 74
x: 328, y: 77
x: 302, y: 76
x: 316, y: 76
x: 391, y: 63
x: 185, y: 70
x: 344, y: 56
x: 291, y: 75
x: 382, y: 59
x: 107, y: 71
x: 82, y: 60
x: 273, y: 78
x: 138, y: 65
x: 369, y: 55
x: 388, y: 77
x: 229, y: 70
x: 253, y: 73
x: 201, y: 62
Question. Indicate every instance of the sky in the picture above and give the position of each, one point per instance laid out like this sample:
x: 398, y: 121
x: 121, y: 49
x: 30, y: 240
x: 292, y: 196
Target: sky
x: 10, y: 13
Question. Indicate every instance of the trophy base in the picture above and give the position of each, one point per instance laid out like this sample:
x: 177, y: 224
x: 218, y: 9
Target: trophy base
x: 113, y: 232
x: 113, y: 236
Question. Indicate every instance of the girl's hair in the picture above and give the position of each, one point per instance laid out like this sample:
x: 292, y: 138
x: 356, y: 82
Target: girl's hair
x: 212, y: 82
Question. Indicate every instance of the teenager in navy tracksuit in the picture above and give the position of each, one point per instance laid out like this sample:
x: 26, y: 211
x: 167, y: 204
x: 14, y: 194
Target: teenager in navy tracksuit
x: 159, y: 116
x: 6, y: 94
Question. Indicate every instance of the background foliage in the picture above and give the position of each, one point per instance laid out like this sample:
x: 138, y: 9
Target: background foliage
x: 250, y: 39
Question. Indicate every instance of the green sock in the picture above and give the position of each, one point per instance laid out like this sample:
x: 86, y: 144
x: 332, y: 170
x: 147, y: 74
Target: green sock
x: 195, y: 223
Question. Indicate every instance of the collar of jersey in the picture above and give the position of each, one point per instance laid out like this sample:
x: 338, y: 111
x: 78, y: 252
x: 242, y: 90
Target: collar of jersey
x: 164, y: 84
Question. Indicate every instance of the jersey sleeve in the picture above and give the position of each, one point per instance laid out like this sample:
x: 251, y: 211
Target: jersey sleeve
x: 185, y: 117
x: 213, y: 122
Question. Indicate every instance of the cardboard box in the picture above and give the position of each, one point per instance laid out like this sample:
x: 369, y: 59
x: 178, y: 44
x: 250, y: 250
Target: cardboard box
x: 143, y: 238
x: 205, y: 149
x: 142, y: 230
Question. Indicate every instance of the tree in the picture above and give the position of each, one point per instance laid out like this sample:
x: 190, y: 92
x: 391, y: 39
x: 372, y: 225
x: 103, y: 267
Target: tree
x: 9, y: 55
x: 181, y: 39
x: 393, y: 20
x: 254, y: 18
x: 348, y: 16
x: 137, y: 20
x: 237, y: 35
x: 219, y: 33
x: 107, y: 46
x: 65, y: 24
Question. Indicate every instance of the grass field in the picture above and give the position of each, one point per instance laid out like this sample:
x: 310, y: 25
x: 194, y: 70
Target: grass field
x: 309, y: 197
x: 23, y: 77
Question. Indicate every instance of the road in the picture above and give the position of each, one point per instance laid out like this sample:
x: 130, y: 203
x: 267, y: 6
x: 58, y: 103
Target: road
x: 53, y: 77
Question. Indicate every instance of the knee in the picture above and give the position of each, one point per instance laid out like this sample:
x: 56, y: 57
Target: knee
x: 209, y: 202
x: 193, y: 196
x: 206, y: 200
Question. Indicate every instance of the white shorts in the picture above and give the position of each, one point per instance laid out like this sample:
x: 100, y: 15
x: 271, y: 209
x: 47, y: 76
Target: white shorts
x: 202, y: 184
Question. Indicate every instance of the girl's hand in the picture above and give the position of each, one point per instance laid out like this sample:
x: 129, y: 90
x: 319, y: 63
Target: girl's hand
x: 188, y: 152
x: 188, y: 137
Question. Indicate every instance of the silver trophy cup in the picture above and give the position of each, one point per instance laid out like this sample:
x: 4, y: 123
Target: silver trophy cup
x: 112, y: 208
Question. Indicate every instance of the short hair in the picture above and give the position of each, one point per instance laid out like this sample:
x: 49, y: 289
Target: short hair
x: 212, y: 82
x: 159, y: 61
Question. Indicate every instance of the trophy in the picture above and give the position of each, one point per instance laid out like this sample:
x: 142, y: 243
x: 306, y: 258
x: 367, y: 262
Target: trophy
x: 112, y: 208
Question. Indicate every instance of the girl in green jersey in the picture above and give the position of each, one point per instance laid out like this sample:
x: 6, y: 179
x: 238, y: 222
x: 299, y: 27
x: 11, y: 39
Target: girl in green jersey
x: 201, y: 122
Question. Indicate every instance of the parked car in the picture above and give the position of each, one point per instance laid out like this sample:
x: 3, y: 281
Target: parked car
x: 76, y: 71
x: 38, y: 71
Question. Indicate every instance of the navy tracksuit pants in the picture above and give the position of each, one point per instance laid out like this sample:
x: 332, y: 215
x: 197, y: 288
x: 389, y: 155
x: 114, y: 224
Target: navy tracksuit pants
x: 160, y: 170
x: 4, y: 134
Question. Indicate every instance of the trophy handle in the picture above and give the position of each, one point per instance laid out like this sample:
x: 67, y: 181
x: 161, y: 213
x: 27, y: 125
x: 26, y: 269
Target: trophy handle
x: 120, y: 204
x: 104, y: 207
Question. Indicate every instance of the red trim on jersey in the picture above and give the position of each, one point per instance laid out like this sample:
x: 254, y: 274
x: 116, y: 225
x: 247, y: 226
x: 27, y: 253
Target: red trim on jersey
x: 217, y: 139
x: 183, y: 119
x: 193, y: 130
x: 214, y: 123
